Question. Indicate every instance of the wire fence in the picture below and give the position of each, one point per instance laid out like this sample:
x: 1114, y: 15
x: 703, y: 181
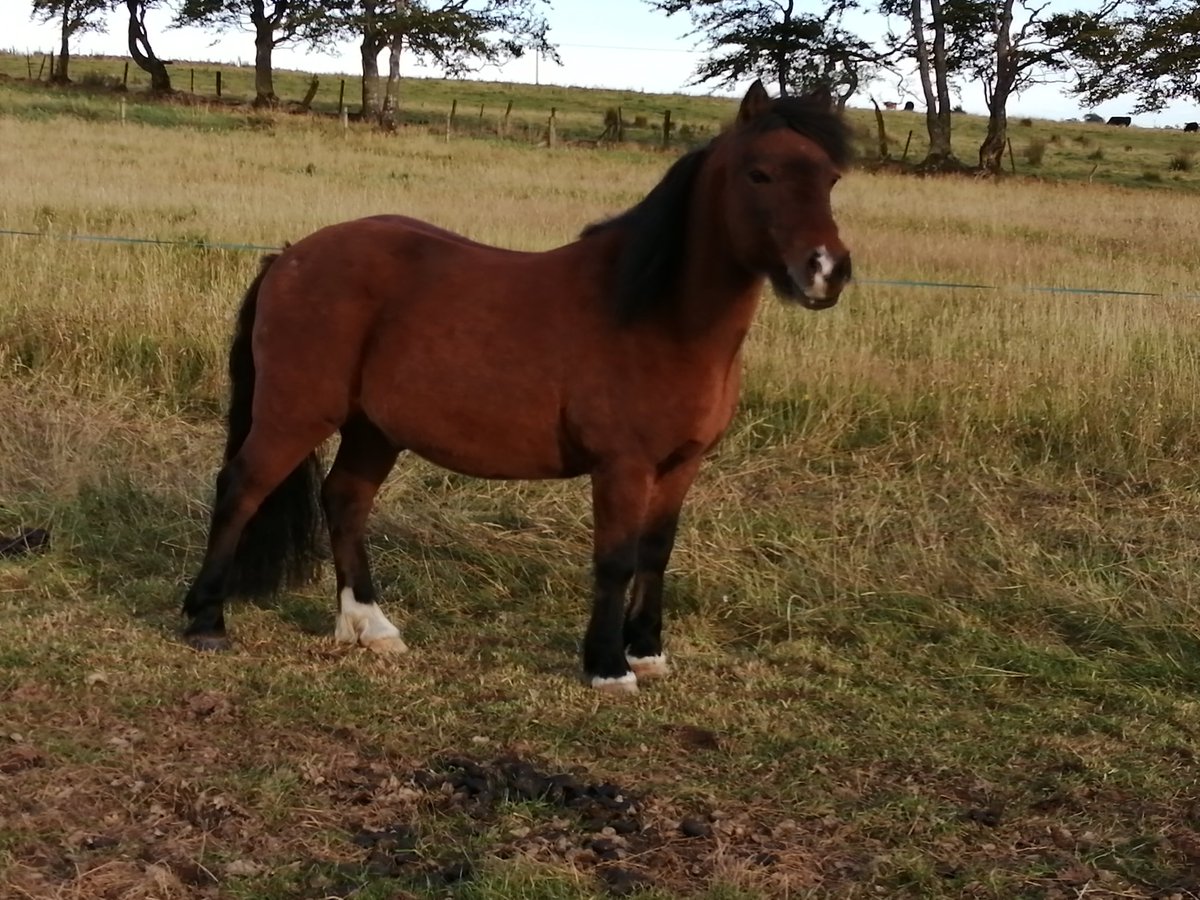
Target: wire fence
x: 202, y: 244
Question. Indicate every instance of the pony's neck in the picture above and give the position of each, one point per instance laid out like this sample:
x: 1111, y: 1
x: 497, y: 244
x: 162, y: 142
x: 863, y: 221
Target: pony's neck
x: 716, y: 293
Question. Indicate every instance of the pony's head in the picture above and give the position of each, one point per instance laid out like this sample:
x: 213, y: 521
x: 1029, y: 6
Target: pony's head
x: 766, y: 184
x: 780, y: 162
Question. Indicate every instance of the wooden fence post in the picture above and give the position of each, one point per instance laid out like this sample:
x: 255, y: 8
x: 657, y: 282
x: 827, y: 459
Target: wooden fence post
x: 311, y: 93
x: 881, y: 131
x: 218, y: 84
x: 125, y: 77
x: 1012, y: 163
x: 29, y: 65
x: 41, y: 68
x: 504, y: 124
x: 342, y: 97
x: 620, y: 125
x: 904, y: 155
x: 192, y: 89
x: 666, y: 140
x: 551, y: 137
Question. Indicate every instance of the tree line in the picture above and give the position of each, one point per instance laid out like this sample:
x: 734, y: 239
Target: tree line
x: 455, y: 35
x: 1112, y: 48
x: 1098, y: 52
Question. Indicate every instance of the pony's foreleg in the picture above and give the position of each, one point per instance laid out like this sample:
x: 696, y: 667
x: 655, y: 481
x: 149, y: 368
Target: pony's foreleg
x: 643, y: 618
x: 620, y: 494
x: 363, y: 461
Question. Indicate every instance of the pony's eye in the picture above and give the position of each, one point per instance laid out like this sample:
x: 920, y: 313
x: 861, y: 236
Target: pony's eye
x: 758, y: 176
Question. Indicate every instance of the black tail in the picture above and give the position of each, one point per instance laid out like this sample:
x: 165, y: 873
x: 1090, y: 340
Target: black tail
x: 279, y: 546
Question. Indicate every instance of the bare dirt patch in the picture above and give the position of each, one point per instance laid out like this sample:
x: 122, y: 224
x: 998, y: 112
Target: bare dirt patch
x: 197, y: 798
x: 200, y: 800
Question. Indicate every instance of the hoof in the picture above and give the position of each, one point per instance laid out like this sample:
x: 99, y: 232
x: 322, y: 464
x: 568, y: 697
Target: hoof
x: 388, y: 646
x: 365, y: 624
x: 649, y: 666
x: 624, y: 684
x: 209, y: 643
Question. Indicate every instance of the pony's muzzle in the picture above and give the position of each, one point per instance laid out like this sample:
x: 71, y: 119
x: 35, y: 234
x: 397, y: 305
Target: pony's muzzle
x: 819, y: 281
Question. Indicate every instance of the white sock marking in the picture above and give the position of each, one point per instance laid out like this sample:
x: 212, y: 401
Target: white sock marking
x: 365, y: 624
x: 648, y: 665
x: 626, y: 684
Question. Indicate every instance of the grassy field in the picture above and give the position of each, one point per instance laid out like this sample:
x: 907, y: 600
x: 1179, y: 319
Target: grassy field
x: 480, y: 105
x: 1041, y: 149
x: 935, y: 608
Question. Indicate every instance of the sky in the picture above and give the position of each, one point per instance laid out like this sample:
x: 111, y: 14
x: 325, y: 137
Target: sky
x: 621, y: 44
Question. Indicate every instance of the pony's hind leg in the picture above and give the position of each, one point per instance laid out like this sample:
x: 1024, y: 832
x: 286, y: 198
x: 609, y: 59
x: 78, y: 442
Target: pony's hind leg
x: 204, y: 604
x: 268, y: 477
x: 363, y: 461
x: 643, y: 618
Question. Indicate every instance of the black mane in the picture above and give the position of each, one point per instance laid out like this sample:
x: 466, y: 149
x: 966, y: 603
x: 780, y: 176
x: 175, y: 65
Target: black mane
x: 655, y: 239
x: 656, y: 228
x: 822, y: 126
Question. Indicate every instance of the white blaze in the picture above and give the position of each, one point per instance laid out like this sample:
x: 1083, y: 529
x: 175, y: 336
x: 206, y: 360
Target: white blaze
x: 824, y: 269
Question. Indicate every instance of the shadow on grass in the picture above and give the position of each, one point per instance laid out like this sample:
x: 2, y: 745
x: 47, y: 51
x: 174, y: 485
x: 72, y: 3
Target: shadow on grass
x: 141, y: 546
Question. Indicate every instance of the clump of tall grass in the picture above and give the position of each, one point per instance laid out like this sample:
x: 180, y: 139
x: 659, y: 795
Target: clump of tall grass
x: 100, y: 81
x: 1182, y: 160
x: 1034, y: 151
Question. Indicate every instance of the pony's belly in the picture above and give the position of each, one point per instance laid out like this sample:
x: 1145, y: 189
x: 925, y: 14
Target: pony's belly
x: 491, y: 462
x: 481, y: 444
x: 503, y: 426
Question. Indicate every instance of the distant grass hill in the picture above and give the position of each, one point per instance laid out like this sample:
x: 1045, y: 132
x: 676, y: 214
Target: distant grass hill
x: 1044, y: 149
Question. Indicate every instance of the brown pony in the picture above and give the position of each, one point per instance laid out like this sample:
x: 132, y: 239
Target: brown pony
x: 617, y: 356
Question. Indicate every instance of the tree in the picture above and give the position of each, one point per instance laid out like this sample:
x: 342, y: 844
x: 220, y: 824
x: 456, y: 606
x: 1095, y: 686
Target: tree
x: 938, y: 36
x: 74, y: 17
x: 839, y: 61
x: 1146, y: 48
x: 928, y: 39
x: 273, y: 22
x: 770, y: 39
x: 140, y: 49
x: 372, y: 28
x: 1006, y: 47
x: 455, y: 35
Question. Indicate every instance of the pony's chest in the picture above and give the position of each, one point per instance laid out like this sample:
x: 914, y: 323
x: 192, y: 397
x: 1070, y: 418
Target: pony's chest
x: 693, y: 420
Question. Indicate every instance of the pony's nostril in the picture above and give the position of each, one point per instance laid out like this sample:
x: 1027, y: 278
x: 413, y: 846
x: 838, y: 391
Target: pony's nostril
x: 842, y: 271
x: 816, y: 263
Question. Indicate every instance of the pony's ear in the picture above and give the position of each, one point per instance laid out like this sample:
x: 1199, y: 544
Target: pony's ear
x: 755, y: 103
x: 821, y: 97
